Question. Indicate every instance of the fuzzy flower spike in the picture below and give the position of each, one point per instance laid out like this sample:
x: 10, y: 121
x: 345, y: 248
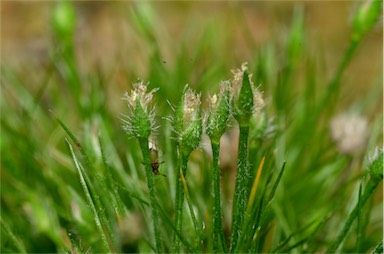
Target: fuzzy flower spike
x: 188, y: 121
x: 188, y: 129
x: 140, y: 120
x: 219, y: 112
x: 247, y: 100
x: 139, y: 123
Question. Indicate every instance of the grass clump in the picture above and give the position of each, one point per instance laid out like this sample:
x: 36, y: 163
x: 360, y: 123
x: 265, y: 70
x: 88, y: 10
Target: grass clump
x: 257, y: 167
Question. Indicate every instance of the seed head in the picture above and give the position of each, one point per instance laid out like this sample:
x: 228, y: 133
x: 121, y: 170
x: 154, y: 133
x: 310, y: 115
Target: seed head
x: 139, y: 122
x: 366, y: 16
x: 247, y: 100
x: 188, y: 122
x: 350, y: 133
x: 219, y: 111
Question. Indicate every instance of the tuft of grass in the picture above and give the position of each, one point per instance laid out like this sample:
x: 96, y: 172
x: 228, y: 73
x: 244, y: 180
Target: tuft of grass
x: 72, y: 181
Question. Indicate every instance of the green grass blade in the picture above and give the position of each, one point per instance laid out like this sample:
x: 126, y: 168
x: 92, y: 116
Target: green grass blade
x: 378, y: 249
x: 196, y: 225
x: 7, y: 234
x: 272, y: 194
x: 107, y: 248
x: 178, y: 233
x: 118, y: 204
x: 99, y: 187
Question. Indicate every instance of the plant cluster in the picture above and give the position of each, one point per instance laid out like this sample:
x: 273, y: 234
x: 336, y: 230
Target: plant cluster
x: 278, y: 166
x: 246, y: 101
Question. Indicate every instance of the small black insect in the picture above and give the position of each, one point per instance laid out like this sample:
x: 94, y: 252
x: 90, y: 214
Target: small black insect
x: 154, y: 161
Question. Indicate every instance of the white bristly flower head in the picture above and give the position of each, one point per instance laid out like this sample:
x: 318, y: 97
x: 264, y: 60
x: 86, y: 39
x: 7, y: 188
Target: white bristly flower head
x: 140, y: 120
x: 247, y: 100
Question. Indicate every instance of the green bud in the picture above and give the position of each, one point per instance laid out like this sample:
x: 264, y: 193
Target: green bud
x: 139, y: 122
x: 64, y: 20
x: 242, y: 97
x: 219, y: 112
x: 366, y: 16
x: 376, y: 168
x: 188, y: 122
x: 247, y: 100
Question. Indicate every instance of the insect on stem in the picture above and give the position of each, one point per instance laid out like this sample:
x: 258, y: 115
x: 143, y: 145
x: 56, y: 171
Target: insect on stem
x: 154, y: 160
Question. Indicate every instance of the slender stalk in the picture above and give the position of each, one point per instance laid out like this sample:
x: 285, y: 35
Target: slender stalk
x: 371, y: 186
x: 99, y: 184
x: 182, y: 165
x: 12, y: 239
x: 112, y: 184
x: 151, y: 186
x: 241, y: 188
x: 218, y: 232
x: 106, y: 247
x: 197, y: 227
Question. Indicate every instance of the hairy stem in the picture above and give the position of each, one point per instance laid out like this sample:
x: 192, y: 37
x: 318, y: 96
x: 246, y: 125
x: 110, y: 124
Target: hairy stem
x: 218, y: 232
x: 241, y: 188
x: 182, y: 166
x: 151, y: 186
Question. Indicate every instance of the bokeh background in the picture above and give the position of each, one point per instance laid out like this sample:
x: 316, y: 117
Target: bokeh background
x: 170, y: 44
x: 107, y: 38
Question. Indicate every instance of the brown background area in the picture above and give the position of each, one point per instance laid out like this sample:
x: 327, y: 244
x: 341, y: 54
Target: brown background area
x: 104, y: 33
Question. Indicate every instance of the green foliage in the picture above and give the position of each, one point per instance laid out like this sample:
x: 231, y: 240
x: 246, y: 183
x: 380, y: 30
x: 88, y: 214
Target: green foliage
x: 72, y: 181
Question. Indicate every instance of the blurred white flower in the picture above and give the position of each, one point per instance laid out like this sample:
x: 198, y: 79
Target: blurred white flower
x: 350, y: 133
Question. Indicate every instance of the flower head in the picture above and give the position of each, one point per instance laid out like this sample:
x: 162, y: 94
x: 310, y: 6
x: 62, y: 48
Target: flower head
x: 139, y: 122
x: 219, y: 111
x: 247, y: 100
x: 188, y: 122
x: 376, y: 166
x: 350, y: 133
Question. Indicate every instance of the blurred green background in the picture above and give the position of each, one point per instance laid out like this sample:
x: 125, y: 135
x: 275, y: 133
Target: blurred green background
x: 204, y: 35
x: 81, y: 77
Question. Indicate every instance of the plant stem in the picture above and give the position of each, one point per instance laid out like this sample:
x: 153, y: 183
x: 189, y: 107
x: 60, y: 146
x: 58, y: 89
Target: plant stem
x: 241, y: 188
x: 197, y: 227
x: 151, y: 186
x: 371, y: 186
x: 218, y: 232
x: 98, y: 221
x: 182, y: 166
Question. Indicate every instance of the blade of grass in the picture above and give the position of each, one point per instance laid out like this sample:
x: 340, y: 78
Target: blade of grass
x: 364, y: 19
x: 359, y: 228
x: 99, y: 184
x: 253, y: 215
x: 371, y: 186
x: 272, y: 194
x: 256, y: 226
x: 286, y: 241
x: 196, y: 225
x: 8, y: 234
x: 118, y: 204
x: 166, y: 218
x: 378, y: 249
x: 262, y: 210
x: 255, y: 184
x: 106, y: 246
